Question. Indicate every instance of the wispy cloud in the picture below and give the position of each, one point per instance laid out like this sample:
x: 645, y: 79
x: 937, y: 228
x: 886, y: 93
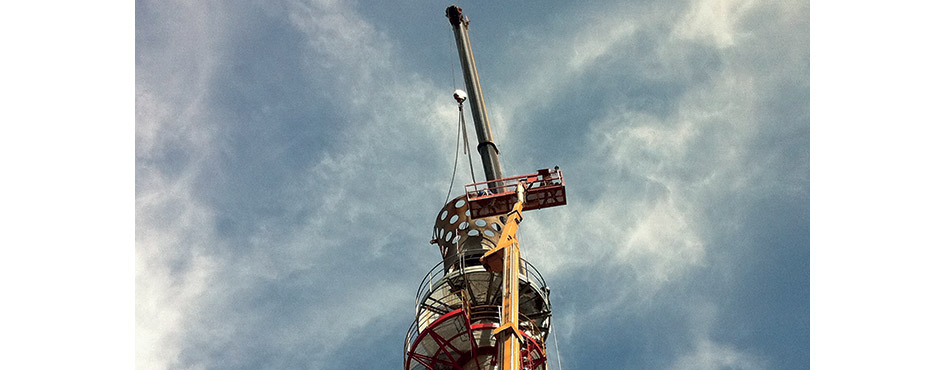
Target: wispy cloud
x: 715, y: 20
x: 647, y: 182
x: 703, y: 352
x: 198, y: 266
x: 171, y: 271
x: 708, y: 355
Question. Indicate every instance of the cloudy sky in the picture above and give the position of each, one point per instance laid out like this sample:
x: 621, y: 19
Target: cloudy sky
x: 291, y: 156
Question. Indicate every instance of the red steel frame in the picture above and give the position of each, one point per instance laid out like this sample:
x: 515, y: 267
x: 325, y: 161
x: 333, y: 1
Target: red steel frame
x: 543, y: 189
x: 532, y: 345
x: 445, y: 343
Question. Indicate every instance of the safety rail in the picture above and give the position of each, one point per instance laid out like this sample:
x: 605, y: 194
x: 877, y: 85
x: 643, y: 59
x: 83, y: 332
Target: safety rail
x: 427, y: 314
x: 532, y: 273
x: 412, y: 334
x: 437, y: 273
x: 428, y: 279
x: 543, y: 189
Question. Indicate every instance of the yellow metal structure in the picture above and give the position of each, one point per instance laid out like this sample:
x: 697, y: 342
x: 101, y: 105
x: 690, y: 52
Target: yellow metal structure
x: 508, y: 336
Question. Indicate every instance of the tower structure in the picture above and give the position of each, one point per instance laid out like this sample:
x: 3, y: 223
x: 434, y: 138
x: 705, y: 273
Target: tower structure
x: 483, y: 307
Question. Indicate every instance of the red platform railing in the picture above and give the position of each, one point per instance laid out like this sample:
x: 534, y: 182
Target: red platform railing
x: 543, y: 189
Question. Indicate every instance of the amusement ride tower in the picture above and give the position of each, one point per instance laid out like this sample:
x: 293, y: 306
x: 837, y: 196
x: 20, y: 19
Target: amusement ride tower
x: 483, y: 307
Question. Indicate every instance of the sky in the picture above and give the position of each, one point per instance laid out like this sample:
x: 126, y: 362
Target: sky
x: 291, y: 157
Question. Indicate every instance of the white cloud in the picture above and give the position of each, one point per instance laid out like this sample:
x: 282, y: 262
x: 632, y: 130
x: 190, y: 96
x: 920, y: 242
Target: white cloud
x: 654, y: 177
x: 658, y: 175
x: 188, y: 281
x: 553, y: 66
x: 662, y: 244
x: 176, y: 59
x: 171, y: 272
x: 714, y: 20
x: 705, y: 353
x: 708, y: 355
x: 596, y: 40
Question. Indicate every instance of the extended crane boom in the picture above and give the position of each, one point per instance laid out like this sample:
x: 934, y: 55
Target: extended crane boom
x: 488, y: 152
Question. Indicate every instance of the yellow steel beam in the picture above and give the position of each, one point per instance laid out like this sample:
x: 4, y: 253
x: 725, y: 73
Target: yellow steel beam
x: 508, y: 336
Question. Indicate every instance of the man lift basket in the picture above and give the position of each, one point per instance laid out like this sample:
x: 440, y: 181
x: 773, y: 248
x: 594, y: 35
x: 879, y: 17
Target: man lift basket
x: 543, y: 189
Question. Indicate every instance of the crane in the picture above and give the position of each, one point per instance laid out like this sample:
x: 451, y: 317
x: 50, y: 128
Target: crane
x: 484, y: 306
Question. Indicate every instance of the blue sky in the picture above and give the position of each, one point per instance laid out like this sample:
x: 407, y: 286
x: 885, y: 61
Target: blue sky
x: 290, y: 158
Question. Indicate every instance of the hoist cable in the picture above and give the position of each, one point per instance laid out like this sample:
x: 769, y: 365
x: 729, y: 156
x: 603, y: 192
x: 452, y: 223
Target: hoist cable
x: 554, y: 334
x: 456, y: 156
x: 466, y: 150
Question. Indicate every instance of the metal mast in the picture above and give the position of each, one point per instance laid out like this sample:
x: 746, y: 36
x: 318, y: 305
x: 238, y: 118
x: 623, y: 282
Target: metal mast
x: 487, y: 149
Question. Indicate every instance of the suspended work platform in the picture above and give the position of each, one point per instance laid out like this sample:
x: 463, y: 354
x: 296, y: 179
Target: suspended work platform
x: 543, y: 189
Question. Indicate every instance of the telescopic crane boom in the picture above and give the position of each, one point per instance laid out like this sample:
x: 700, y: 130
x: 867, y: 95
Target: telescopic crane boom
x: 487, y: 149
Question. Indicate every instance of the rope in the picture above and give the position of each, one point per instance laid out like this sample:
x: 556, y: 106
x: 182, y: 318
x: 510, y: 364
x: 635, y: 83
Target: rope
x: 460, y: 129
x: 466, y: 150
x: 554, y: 334
x: 455, y: 157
